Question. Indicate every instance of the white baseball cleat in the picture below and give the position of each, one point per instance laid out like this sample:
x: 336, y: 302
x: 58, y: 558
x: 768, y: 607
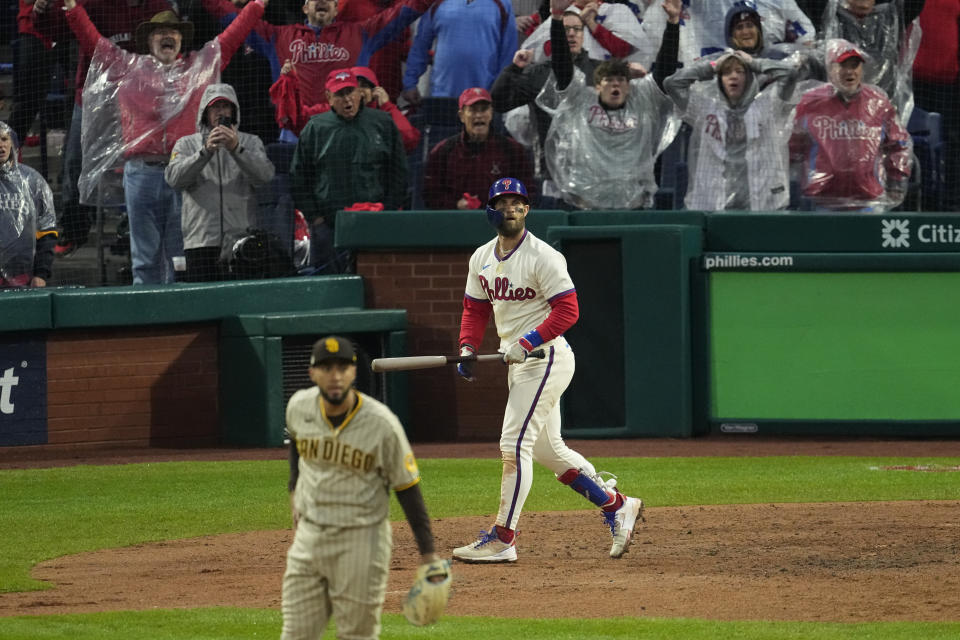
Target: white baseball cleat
x: 622, y: 522
x: 487, y: 548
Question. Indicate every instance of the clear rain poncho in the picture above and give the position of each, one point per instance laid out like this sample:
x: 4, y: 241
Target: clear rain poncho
x: 135, y: 106
x: 604, y: 158
x: 853, y: 152
x: 738, y: 152
x: 26, y: 207
x: 891, y: 45
x: 703, y: 22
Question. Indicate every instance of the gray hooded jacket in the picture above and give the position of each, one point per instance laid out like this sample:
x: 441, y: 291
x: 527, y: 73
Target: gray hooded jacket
x: 199, y: 175
x: 27, y: 220
x: 738, y: 152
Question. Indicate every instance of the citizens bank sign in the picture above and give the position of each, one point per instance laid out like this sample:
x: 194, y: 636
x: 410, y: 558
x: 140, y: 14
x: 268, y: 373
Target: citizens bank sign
x: 23, y: 392
x: 900, y: 233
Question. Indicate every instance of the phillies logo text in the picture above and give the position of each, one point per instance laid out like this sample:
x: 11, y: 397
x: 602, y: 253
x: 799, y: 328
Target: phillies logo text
x: 599, y: 117
x: 501, y: 290
x: 317, y: 52
x: 712, y: 127
x: 834, y: 129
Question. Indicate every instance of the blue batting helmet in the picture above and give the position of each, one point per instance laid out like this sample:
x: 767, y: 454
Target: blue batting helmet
x: 501, y: 187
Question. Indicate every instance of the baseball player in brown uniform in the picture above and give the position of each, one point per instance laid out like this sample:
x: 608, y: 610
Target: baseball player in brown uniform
x: 347, y: 451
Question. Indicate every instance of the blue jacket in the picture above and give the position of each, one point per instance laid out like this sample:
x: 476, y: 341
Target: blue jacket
x: 475, y: 40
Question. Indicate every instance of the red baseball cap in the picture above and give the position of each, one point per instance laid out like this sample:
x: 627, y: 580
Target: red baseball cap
x: 474, y: 94
x: 849, y: 53
x: 366, y: 73
x: 340, y: 79
x: 217, y: 99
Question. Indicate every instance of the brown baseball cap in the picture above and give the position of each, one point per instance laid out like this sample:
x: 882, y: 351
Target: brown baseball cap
x: 333, y: 348
x: 166, y: 18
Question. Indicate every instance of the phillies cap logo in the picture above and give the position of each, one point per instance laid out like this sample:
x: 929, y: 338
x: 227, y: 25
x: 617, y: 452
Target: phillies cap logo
x: 506, y: 184
x: 343, y: 75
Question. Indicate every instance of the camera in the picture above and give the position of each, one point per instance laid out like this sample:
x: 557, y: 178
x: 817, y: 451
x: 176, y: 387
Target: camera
x: 225, y: 120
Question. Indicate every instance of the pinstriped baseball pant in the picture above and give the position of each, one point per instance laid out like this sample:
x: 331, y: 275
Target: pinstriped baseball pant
x: 531, y: 427
x: 339, y: 572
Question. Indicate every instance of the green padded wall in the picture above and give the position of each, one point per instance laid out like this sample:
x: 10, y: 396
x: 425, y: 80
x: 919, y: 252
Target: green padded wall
x: 428, y: 229
x: 649, y: 353
x: 262, y: 355
x: 169, y: 304
x: 23, y: 310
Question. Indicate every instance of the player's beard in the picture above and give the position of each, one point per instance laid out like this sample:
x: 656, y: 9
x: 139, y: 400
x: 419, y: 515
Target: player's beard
x: 338, y: 399
x: 510, y: 228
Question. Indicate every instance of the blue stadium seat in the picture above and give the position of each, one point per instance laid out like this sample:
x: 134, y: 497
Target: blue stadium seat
x: 926, y: 130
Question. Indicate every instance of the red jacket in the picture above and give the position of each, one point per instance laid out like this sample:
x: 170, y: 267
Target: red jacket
x: 293, y: 114
x: 26, y: 23
x: 142, y: 84
x: 852, y: 151
x: 318, y: 51
x: 936, y: 59
x: 386, y: 62
x: 456, y: 167
x: 116, y: 21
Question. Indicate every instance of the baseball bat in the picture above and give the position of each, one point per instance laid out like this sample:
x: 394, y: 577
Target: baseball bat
x: 409, y: 363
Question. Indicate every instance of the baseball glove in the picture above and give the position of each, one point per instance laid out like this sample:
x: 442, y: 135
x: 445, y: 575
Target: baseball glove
x: 428, y: 596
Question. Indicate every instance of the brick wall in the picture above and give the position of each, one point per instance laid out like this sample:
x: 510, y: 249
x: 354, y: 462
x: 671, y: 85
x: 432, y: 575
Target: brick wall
x: 135, y: 386
x: 443, y: 406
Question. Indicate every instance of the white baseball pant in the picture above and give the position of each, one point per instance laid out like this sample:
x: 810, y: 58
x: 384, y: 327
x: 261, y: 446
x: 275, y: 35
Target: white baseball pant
x: 531, y: 427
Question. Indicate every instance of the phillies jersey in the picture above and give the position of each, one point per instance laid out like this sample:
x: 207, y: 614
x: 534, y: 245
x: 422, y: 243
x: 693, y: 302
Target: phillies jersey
x: 317, y: 51
x: 346, y: 472
x: 519, y: 285
x: 851, y: 150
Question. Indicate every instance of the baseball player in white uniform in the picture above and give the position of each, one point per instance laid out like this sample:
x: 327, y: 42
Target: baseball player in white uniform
x: 524, y: 282
x: 347, y: 451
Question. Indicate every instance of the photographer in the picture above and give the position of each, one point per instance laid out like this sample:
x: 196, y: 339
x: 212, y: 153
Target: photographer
x: 216, y: 170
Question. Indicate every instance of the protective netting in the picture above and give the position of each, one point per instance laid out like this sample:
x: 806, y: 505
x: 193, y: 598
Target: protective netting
x: 834, y: 105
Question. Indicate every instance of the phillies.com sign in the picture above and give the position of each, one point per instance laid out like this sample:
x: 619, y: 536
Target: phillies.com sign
x: 23, y: 392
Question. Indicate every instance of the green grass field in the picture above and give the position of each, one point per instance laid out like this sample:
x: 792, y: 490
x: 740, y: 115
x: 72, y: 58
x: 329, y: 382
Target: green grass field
x: 52, y: 512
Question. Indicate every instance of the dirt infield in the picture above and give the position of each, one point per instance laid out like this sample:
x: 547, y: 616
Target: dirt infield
x: 818, y: 562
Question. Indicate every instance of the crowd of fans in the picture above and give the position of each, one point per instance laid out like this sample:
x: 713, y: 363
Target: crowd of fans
x: 775, y: 103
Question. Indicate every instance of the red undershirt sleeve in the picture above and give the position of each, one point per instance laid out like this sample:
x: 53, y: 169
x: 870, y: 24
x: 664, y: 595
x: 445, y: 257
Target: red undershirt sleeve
x: 564, y: 311
x: 473, y: 322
